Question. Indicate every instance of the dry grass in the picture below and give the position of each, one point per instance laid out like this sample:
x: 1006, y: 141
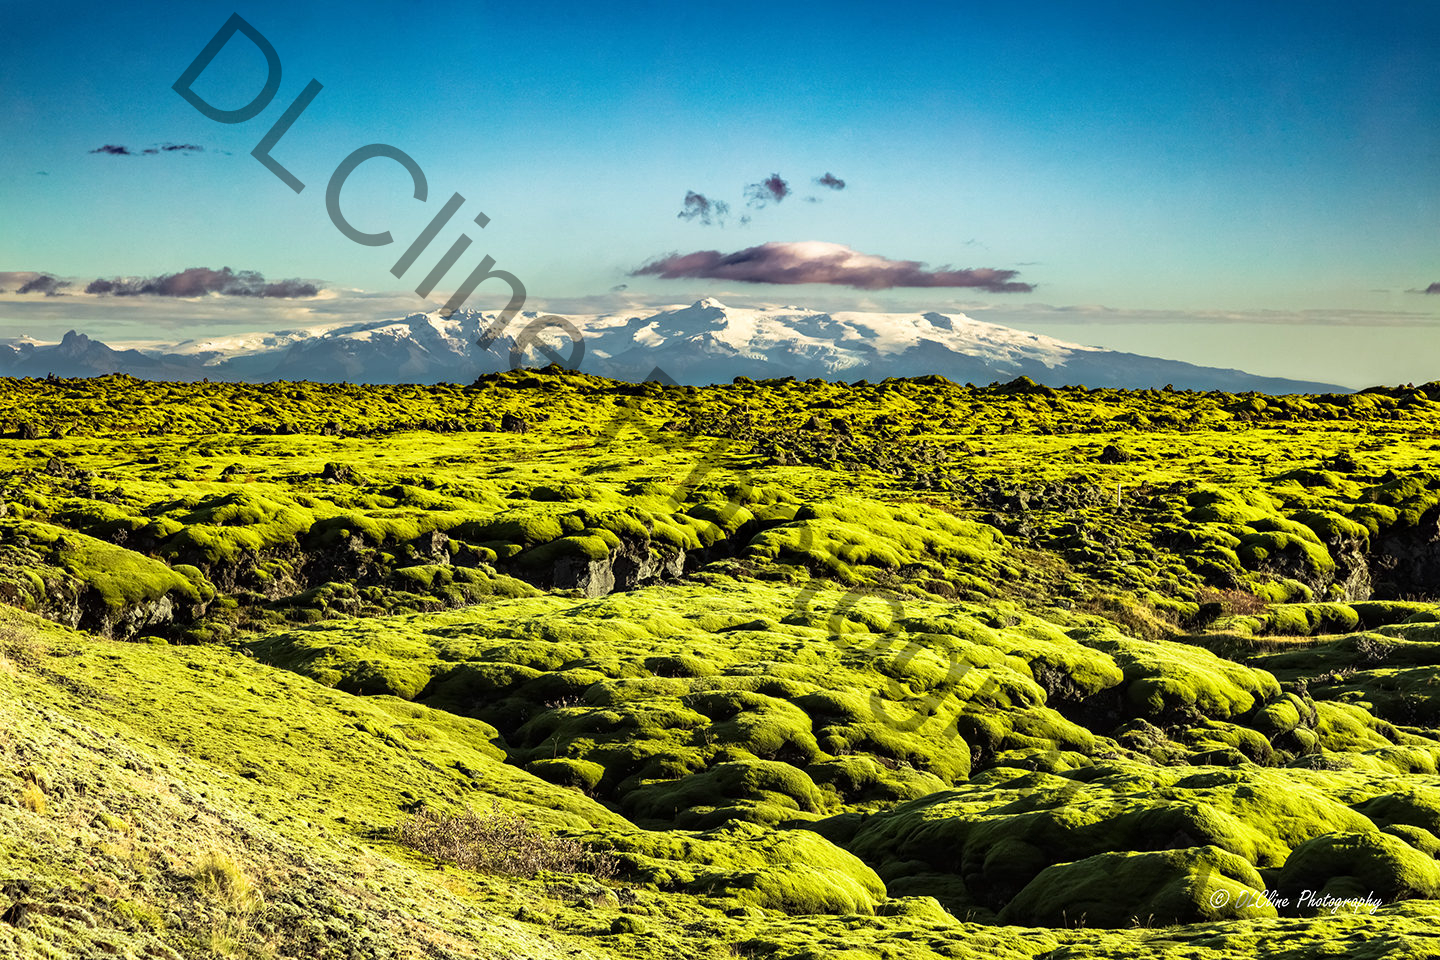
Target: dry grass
x: 493, y: 842
x: 32, y: 798
x: 1234, y: 602
x: 218, y: 877
x: 20, y: 648
x: 1134, y: 619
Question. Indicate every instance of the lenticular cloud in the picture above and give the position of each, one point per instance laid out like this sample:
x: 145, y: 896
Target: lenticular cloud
x: 830, y: 263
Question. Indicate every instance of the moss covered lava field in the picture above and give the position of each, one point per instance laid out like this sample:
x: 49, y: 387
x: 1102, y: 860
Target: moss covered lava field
x: 780, y: 669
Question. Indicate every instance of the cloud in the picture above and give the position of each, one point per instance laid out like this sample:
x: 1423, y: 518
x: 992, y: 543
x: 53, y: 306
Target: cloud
x: 1433, y: 288
x: 831, y: 181
x: 699, y: 207
x: 198, y: 281
x: 117, y: 150
x: 819, y: 262
x: 43, y: 283
x: 772, y: 189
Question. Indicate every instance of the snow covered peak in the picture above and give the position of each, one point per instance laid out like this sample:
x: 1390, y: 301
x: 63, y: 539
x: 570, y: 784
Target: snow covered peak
x: 706, y: 341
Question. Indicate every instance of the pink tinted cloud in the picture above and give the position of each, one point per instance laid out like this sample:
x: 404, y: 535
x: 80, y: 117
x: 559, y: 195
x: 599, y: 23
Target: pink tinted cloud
x: 830, y: 263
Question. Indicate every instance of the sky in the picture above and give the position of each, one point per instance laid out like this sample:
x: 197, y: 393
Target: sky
x: 1235, y: 184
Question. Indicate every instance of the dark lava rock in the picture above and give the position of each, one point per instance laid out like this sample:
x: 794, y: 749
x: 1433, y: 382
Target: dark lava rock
x: 337, y: 472
x: 1113, y: 454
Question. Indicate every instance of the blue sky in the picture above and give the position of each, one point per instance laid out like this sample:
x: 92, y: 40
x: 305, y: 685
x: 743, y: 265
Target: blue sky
x: 1200, y: 180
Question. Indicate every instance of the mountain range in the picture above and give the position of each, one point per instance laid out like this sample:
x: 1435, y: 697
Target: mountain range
x: 705, y: 342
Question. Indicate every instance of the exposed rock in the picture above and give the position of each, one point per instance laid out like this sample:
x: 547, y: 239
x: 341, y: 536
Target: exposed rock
x: 432, y: 547
x: 1404, y: 562
x: 630, y: 566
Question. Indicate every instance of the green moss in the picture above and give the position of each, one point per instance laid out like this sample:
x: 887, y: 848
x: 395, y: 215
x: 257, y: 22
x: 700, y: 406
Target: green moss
x: 1168, y: 679
x: 120, y: 577
x: 799, y: 873
x: 990, y: 683
x: 1377, y: 863
x: 1193, y: 885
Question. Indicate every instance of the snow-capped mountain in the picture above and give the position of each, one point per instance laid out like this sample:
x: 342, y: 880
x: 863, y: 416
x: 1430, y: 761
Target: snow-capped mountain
x: 703, y: 342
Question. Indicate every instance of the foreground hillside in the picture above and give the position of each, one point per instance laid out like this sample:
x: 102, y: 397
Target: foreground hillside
x: 781, y: 669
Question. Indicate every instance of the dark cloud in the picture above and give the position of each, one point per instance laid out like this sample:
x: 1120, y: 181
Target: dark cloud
x: 42, y: 173
x: 772, y: 189
x: 820, y: 262
x: 699, y: 207
x: 116, y: 150
x: 1433, y: 288
x: 619, y: 287
x: 44, y: 283
x: 198, y: 281
x: 831, y: 181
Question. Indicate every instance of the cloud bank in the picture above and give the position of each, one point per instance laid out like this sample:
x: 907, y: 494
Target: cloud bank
x: 829, y: 263
x: 194, y: 282
x: 43, y: 283
x: 198, y: 281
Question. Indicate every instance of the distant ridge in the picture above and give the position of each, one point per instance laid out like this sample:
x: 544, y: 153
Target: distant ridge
x: 704, y: 342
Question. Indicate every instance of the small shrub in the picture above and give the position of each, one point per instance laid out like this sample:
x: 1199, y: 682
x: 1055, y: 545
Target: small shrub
x: 1371, y: 650
x: 493, y: 842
